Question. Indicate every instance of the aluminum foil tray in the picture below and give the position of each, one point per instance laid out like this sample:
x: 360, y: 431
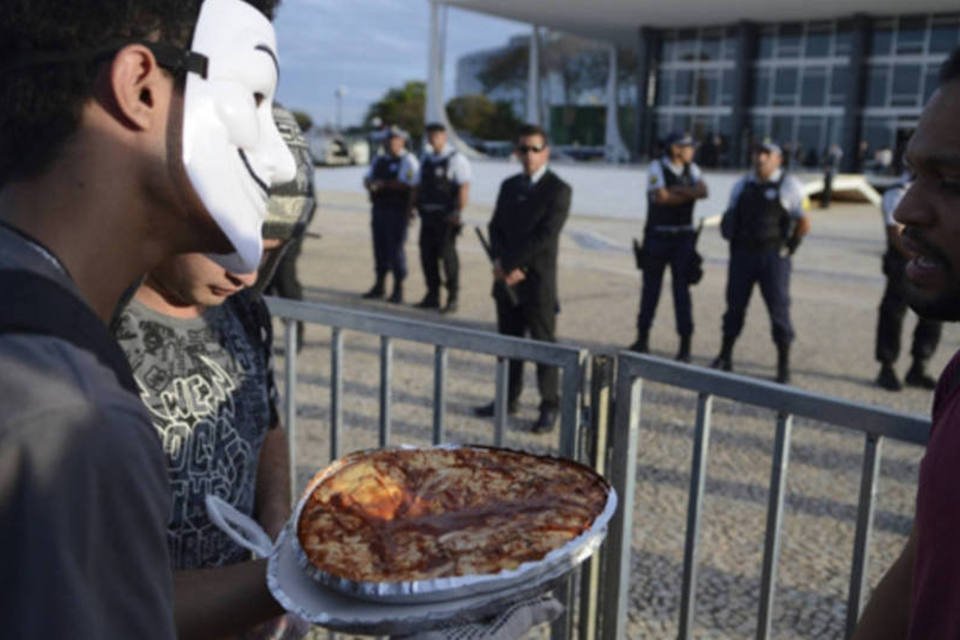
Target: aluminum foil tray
x: 299, y: 593
x: 484, y: 586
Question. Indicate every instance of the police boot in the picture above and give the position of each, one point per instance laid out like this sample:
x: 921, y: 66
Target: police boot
x: 642, y: 343
x: 887, y: 378
x: 724, y: 360
x: 396, y: 297
x: 683, y: 353
x: 917, y: 376
x: 376, y: 291
x: 783, y: 363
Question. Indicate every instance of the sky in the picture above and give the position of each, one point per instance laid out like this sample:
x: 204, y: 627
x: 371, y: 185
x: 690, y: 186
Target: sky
x: 368, y: 47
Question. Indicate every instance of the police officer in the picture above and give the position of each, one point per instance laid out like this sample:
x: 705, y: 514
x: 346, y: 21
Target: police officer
x: 764, y: 224
x: 390, y: 181
x: 893, y: 306
x: 674, y: 185
x: 443, y: 186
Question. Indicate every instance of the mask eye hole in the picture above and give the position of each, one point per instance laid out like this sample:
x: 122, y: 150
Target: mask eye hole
x: 258, y: 98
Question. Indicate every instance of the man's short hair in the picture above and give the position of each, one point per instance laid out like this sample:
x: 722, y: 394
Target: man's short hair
x: 950, y: 70
x: 435, y: 127
x: 533, y: 130
x: 41, y: 103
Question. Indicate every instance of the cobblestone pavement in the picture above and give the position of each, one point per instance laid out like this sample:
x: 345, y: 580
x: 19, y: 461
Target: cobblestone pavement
x: 836, y: 291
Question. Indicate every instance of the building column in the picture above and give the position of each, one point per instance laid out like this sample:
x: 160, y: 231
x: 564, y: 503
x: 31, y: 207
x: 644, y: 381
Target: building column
x: 648, y: 54
x: 533, y: 78
x: 434, y: 109
x: 856, y: 94
x: 613, y: 148
x: 743, y: 93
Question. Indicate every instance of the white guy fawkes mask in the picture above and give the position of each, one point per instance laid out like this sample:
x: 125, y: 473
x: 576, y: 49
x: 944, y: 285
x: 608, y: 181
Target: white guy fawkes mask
x: 232, y: 151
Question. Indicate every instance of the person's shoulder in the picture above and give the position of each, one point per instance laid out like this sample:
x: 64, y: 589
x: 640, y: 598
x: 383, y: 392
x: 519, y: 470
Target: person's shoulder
x: 556, y: 181
x: 792, y: 184
x: 52, y: 376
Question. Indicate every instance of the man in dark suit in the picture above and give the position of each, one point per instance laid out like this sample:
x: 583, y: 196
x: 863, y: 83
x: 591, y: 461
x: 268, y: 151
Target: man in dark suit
x: 531, y: 210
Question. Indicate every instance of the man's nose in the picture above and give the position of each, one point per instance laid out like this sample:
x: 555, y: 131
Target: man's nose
x: 245, y: 279
x: 914, y: 209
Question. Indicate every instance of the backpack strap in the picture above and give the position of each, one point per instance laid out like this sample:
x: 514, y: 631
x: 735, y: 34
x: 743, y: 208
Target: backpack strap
x: 37, y: 305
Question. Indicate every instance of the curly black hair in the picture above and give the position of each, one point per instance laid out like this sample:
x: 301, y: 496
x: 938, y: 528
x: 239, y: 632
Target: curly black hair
x: 40, y: 104
x: 950, y: 70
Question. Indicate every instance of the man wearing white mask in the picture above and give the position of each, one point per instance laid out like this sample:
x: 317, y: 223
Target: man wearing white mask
x: 126, y: 135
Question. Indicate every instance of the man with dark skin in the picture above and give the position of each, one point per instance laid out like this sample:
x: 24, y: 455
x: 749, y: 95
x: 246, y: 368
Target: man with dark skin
x: 99, y: 106
x: 919, y: 596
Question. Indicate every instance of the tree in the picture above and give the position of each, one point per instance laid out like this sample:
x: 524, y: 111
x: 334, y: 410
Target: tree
x: 402, y: 107
x: 483, y: 118
x: 303, y: 119
x: 506, y: 69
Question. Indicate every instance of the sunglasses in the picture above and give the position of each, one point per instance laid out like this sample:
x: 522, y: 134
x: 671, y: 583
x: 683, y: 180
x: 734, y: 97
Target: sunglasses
x: 522, y: 148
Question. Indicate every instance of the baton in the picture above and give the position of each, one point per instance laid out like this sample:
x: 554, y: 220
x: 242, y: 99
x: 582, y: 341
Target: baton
x: 507, y: 290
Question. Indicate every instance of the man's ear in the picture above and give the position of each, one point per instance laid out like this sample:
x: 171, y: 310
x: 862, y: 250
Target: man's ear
x: 137, y: 87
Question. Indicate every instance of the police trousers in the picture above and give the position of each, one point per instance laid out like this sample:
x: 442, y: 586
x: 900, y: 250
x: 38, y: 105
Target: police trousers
x: 389, y: 226
x: 772, y: 272
x: 438, y: 245
x: 662, y: 249
x: 541, y: 324
x: 893, y: 307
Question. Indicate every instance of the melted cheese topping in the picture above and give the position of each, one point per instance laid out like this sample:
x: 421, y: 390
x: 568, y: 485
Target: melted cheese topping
x: 402, y: 515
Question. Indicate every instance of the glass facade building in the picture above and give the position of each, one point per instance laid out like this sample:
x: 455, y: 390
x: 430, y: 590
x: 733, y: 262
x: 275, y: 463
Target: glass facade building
x: 859, y: 82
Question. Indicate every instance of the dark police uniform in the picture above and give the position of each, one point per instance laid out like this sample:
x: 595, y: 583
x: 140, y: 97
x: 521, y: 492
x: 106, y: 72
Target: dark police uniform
x: 893, y: 307
x: 439, y: 182
x: 669, y: 239
x: 758, y: 223
x: 389, y: 221
x: 525, y: 234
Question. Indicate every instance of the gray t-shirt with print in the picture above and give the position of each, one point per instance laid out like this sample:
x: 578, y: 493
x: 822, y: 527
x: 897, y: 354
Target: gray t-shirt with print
x: 208, y: 385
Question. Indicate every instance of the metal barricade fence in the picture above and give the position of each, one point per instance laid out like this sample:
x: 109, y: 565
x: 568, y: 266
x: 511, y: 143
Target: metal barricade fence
x: 874, y: 423
x: 570, y: 360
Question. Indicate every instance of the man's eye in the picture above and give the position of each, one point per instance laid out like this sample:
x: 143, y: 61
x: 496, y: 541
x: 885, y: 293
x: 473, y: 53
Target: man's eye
x: 258, y: 98
x: 950, y: 184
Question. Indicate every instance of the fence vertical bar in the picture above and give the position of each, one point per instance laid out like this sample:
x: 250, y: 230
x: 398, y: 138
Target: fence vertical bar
x: 595, y: 450
x: 570, y: 408
x: 861, y: 543
x: 290, y: 401
x: 386, y: 379
x: 500, y: 402
x: 771, y: 545
x: 698, y: 476
x: 623, y: 477
x: 571, y: 383
x: 439, y: 392
x: 336, y: 392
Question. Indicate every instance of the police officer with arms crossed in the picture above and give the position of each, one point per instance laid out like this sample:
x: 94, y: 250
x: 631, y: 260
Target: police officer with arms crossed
x: 893, y: 306
x: 675, y: 184
x: 443, y: 186
x: 390, y: 184
x: 764, y: 224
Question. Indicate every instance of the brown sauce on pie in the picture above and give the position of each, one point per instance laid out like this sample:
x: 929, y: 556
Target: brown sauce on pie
x: 401, y: 515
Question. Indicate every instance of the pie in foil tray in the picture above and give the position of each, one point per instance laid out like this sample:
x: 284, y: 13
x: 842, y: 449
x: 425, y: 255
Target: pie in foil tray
x: 409, y: 525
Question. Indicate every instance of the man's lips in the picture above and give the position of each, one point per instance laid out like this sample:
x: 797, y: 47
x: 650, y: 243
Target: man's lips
x: 224, y: 292
x: 927, y: 264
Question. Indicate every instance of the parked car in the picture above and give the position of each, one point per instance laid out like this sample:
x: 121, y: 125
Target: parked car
x: 335, y: 150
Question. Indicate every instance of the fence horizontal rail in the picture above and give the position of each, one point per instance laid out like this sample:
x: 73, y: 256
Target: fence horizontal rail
x: 778, y: 397
x: 426, y: 332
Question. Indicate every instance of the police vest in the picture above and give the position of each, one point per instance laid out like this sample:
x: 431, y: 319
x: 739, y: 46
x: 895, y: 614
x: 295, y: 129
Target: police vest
x: 437, y: 193
x: 387, y: 167
x: 762, y: 221
x: 671, y: 215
